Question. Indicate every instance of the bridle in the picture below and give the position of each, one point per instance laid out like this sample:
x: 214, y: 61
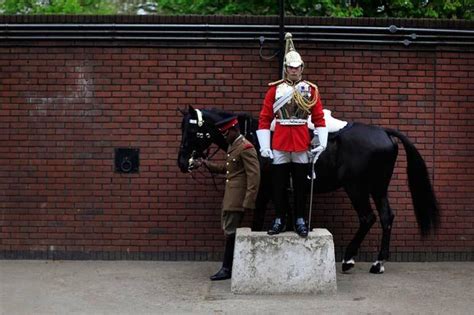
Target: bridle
x: 206, y: 154
x: 200, y: 135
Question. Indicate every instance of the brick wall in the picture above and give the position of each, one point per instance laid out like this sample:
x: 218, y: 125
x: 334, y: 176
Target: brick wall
x: 65, y: 107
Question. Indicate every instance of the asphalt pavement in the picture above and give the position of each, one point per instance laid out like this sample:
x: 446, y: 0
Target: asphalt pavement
x: 159, y: 287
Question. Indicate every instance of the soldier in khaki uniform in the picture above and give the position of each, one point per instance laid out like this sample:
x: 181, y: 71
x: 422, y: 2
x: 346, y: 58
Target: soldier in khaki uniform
x: 242, y: 171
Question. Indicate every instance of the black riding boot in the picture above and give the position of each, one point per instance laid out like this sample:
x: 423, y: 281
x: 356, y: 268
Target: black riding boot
x: 226, y: 271
x: 300, y: 186
x: 281, y: 175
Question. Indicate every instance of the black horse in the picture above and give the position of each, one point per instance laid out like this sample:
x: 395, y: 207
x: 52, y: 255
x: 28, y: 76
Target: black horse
x: 359, y: 159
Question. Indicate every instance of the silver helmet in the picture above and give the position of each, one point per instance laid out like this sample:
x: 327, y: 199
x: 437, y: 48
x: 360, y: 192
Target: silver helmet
x: 293, y: 59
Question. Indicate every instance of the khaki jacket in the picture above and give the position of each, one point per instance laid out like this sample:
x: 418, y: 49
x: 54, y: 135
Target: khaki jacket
x: 242, y: 171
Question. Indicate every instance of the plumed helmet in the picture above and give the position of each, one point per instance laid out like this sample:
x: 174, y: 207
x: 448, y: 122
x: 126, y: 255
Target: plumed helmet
x: 293, y: 59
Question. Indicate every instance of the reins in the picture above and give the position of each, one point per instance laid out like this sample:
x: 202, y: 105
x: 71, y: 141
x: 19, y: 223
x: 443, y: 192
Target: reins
x: 209, y: 157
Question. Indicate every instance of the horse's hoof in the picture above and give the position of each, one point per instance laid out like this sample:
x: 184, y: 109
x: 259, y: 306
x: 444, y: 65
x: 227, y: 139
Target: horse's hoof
x: 347, y: 265
x: 377, y: 267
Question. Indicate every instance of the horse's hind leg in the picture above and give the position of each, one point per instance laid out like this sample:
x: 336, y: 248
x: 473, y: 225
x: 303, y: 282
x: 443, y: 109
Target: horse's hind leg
x: 379, y: 192
x: 359, y: 196
x: 386, y: 219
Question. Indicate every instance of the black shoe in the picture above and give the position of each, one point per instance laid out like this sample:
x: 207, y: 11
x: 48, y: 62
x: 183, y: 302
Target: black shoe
x: 302, y: 229
x: 276, y: 228
x: 223, y: 274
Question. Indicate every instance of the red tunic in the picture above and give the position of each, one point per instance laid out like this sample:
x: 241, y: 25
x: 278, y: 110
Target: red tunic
x: 289, y: 138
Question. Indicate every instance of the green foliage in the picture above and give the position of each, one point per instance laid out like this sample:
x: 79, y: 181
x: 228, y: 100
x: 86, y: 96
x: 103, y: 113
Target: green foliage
x: 443, y: 9
x: 446, y: 9
x: 17, y: 6
x: 334, y: 8
x: 56, y: 7
x: 214, y: 7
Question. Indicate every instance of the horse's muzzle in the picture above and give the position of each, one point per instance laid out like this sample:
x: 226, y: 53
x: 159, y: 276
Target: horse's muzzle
x: 183, y: 162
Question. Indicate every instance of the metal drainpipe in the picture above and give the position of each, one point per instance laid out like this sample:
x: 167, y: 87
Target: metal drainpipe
x: 281, y: 39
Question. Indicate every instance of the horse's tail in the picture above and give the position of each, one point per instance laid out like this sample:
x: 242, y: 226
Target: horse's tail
x: 424, y: 199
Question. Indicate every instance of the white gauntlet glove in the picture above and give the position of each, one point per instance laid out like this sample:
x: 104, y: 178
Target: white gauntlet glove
x: 320, y: 140
x: 263, y: 136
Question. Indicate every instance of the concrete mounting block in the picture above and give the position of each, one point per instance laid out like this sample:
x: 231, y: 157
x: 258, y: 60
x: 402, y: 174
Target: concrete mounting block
x: 283, y: 263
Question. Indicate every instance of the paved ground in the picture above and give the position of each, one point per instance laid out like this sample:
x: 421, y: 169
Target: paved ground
x: 144, y: 287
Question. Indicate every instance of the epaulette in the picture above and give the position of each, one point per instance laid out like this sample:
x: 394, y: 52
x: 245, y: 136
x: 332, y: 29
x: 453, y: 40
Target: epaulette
x: 312, y: 84
x: 248, y: 145
x: 276, y: 82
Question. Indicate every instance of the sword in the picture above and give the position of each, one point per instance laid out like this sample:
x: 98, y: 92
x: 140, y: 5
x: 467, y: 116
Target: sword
x: 313, y: 177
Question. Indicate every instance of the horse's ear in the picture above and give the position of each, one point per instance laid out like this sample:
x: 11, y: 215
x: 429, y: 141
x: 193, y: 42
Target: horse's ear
x: 181, y: 111
x: 191, y: 109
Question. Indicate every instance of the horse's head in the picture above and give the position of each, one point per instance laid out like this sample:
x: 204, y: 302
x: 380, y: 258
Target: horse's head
x: 198, y: 132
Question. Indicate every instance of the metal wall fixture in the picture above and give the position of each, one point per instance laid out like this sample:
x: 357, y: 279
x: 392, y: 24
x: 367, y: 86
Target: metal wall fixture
x: 194, y: 33
x: 127, y: 160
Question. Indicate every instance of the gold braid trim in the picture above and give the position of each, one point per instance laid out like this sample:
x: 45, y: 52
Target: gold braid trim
x: 303, y: 103
x: 275, y: 82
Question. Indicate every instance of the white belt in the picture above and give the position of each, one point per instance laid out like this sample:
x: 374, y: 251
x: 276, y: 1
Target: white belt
x: 292, y: 122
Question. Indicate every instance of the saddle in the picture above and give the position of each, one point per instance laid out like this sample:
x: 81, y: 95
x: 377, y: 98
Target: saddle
x: 333, y: 124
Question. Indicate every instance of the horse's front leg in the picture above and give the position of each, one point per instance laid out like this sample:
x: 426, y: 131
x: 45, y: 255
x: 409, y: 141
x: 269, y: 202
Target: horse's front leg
x: 386, y: 219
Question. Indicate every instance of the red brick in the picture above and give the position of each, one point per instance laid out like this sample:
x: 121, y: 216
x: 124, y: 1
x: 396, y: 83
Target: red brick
x: 61, y: 120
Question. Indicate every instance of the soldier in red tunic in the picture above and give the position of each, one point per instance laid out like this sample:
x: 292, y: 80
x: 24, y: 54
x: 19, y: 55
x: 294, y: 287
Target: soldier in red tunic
x: 290, y: 102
